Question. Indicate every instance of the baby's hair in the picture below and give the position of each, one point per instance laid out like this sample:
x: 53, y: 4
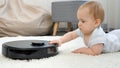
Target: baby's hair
x: 95, y: 9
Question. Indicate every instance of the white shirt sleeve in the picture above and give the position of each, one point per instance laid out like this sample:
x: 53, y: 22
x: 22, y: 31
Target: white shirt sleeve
x: 98, y: 36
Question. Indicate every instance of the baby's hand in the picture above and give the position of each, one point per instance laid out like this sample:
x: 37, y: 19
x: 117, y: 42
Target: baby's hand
x: 55, y: 42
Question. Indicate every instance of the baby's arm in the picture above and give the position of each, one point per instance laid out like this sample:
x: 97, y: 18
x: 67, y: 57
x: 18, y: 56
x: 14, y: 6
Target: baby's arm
x: 65, y: 38
x: 68, y: 36
x: 93, y: 50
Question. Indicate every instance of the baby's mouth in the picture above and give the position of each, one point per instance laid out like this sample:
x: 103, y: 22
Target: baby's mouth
x: 80, y: 28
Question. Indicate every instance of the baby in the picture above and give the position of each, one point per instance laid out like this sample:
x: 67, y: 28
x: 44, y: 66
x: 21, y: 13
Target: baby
x: 90, y: 16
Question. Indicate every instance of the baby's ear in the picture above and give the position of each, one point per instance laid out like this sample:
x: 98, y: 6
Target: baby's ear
x: 98, y: 22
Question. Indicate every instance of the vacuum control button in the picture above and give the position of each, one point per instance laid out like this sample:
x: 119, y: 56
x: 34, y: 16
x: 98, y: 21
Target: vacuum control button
x: 37, y: 44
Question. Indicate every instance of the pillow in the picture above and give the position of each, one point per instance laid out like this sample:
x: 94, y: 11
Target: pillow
x: 18, y: 18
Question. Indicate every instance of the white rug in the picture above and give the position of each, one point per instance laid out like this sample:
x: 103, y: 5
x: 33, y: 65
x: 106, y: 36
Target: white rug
x: 65, y: 59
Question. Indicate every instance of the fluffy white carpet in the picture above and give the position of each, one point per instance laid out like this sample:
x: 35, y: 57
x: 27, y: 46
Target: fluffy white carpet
x: 65, y: 59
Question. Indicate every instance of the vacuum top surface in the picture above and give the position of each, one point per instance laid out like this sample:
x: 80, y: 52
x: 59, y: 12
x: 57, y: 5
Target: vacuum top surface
x: 28, y: 44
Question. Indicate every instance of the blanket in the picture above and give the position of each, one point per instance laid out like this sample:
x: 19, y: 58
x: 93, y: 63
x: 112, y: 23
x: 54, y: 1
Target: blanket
x: 65, y: 59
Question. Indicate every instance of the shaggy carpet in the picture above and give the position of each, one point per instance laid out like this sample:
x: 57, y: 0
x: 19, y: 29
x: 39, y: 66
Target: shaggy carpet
x: 65, y: 59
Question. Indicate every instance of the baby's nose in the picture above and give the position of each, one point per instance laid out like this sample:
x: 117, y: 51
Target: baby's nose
x: 79, y: 23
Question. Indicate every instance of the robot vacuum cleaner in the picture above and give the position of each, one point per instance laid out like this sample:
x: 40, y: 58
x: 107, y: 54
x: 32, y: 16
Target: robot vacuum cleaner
x: 29, y: 49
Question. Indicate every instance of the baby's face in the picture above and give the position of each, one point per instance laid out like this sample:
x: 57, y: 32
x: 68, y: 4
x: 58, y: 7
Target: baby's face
x: 86, y: 21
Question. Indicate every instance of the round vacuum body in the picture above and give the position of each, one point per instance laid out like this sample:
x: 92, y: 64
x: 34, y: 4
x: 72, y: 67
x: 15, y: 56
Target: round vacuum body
x: 29, y: 49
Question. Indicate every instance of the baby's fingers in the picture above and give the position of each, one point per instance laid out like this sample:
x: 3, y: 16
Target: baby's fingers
x: 54, y: 42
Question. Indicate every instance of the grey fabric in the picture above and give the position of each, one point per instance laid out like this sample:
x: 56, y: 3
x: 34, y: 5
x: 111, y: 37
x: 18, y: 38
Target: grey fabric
x: 65, y: 11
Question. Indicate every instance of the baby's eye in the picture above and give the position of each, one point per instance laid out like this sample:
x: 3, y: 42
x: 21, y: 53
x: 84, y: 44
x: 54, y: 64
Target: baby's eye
x: 83, y: 21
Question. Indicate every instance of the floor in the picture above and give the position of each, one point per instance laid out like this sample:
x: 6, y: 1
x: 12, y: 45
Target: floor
x: 60, y: 33
x: 63, y: 29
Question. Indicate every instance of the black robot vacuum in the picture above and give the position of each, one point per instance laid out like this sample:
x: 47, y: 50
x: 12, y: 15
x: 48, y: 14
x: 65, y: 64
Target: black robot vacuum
x: 29, y: 49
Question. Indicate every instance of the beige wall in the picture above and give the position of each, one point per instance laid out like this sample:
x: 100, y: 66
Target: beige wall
x: 43, y: 3
x: 112, y: 9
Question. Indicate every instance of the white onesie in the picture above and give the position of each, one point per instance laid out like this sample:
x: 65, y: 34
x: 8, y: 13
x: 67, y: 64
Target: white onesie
x: 111, y: 40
